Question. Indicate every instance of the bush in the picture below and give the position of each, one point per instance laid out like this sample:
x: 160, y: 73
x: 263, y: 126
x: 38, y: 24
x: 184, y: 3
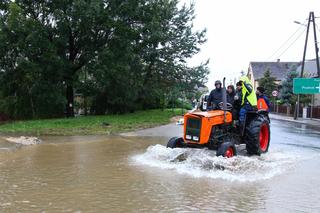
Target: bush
x: 180, y: 104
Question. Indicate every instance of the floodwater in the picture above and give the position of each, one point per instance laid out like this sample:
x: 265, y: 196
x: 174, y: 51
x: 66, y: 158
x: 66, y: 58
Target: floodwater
x: 137, y: 173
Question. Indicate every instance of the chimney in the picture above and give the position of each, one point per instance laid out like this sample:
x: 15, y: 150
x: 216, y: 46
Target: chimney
x: 278, y: 60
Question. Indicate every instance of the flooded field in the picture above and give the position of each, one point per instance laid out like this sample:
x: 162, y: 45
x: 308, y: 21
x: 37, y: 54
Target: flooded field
x: 137, y: 173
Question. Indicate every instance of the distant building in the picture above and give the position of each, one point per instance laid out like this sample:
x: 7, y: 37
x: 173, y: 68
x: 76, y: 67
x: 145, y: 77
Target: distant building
x: 278, y: 69
x: 201, y: 88
x: 310, y: 71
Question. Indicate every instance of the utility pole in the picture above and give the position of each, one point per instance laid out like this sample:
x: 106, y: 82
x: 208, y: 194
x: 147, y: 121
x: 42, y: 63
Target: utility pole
x: 311, y: 19
x: 316, y: 44
x: 317, y: 60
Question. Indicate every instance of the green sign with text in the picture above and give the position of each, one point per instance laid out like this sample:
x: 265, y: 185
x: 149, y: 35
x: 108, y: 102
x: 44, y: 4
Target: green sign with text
x: 306, y: 85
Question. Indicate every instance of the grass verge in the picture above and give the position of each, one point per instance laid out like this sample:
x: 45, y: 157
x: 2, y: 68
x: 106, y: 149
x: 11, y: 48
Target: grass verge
x: 92, y: 125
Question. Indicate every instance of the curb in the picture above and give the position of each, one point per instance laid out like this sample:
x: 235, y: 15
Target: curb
x: 296, y: 121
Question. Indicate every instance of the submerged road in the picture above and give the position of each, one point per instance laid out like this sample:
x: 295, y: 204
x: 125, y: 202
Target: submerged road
x: 135, y: 172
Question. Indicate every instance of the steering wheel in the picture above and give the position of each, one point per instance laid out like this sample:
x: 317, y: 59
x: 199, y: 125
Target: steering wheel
x: 229, y: 106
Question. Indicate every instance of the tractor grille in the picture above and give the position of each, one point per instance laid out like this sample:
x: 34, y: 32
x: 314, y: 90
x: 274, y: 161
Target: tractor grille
x: 193, y: 129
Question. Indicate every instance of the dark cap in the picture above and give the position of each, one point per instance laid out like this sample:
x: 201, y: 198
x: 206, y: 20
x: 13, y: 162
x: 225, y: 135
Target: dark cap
x: 217, y: 82
x: 261, y: 89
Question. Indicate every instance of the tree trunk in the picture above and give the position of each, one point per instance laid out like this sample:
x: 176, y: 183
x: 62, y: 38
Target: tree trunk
x: 85, y: 102
x: 31, y: 103
x: 85, y: 105
x: 70, y: 101
x: 142, y: 93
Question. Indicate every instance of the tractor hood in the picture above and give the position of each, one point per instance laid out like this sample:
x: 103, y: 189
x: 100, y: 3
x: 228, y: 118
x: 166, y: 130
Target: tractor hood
x: 209, y: 114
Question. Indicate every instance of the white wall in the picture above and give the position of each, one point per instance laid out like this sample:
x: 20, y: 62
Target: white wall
x: 317, y: 99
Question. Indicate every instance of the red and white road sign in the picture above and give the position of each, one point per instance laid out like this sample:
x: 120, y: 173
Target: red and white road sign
x: 275, y: 93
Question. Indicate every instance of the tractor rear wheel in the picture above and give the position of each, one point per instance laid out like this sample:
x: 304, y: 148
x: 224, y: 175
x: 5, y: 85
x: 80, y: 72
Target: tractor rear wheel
x: 175, y: 142
x: 227, y: 149
x: 258, y: 136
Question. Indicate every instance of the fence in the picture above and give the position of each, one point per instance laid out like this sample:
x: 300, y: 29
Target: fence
x: 3, y: 117
x: 315, y: 112
x: 288, y: 110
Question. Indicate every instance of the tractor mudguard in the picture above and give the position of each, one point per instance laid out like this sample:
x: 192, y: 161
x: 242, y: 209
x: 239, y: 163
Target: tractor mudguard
x: 251, y: 115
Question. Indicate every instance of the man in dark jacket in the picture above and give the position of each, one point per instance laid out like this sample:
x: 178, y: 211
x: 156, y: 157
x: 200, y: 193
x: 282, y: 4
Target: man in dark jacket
x: 237, y: 101
x: 215, y: 96
x: 230, y: 94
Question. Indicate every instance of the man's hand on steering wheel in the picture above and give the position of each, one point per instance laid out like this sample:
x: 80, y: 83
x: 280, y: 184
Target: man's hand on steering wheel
x: 229, y: 106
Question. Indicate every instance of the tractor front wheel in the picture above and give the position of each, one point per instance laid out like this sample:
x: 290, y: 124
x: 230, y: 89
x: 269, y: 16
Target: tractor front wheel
x: 227, y: 149
x: 175, y: 142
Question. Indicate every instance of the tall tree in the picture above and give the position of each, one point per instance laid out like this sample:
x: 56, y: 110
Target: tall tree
x: 131, y: 52
x: 152, y: 57
x: 268, y: 83
x: 286, y: 92
x: 76, y: 31
x: 30, y: 80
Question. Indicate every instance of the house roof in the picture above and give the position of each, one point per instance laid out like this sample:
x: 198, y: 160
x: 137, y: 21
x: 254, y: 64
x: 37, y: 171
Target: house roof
x: 279, y: 70
x: 310, y: 69
x: 201, y: 87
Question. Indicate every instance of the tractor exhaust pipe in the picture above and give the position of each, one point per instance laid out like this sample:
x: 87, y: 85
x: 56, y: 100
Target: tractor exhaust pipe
x: 224, y: 100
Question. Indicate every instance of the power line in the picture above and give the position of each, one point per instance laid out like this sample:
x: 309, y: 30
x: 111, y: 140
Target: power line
x: 285, y: 43
x: 317, y: 27
x: 291, y: 44
x: 318, y: 30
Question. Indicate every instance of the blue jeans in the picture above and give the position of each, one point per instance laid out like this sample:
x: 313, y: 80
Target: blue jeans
x: 243, y: 111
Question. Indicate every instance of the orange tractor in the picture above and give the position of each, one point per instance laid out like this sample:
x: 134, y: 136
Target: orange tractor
x: 215, y: 130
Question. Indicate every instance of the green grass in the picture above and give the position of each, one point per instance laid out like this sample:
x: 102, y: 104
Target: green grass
x: 91, y: 125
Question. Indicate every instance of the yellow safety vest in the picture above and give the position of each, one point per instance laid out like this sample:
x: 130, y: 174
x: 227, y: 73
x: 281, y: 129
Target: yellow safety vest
x: 252, y: 98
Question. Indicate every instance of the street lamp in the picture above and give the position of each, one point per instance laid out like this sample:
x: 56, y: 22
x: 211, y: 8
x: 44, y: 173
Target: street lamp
x: 297, y: 22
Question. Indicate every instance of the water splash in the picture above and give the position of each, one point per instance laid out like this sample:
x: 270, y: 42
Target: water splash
x: 204, y: 163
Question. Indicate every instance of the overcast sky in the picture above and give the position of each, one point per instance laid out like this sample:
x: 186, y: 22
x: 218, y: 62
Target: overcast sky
x: 240, y: 31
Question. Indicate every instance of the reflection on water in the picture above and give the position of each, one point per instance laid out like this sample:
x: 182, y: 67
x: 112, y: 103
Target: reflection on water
x: 125, y: 174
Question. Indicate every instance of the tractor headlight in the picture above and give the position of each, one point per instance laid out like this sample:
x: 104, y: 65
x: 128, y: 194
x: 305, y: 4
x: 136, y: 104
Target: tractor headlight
x: 195, y: 138
x: 188, y: 137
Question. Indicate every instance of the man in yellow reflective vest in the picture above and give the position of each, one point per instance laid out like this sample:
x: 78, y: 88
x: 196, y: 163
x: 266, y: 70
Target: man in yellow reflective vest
x: 249, y: 98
